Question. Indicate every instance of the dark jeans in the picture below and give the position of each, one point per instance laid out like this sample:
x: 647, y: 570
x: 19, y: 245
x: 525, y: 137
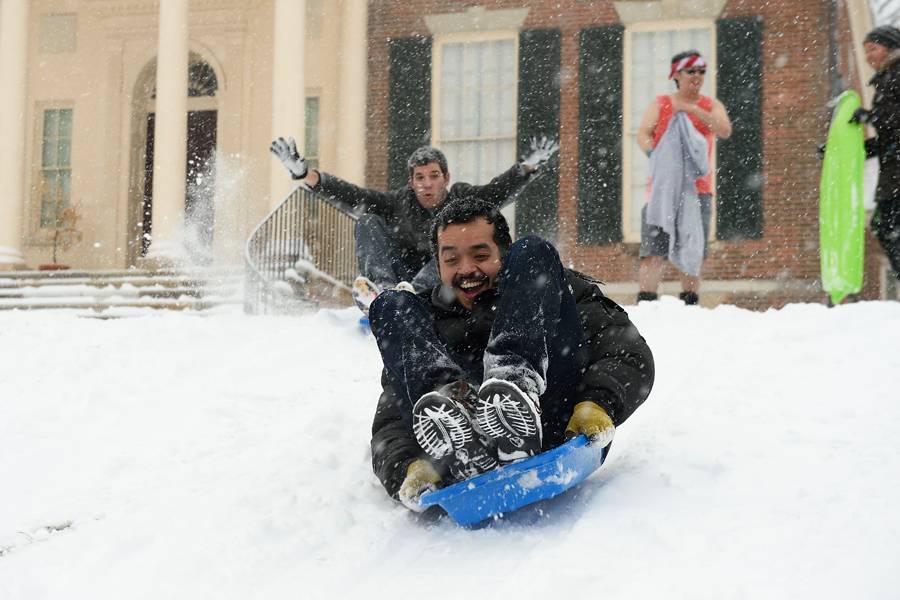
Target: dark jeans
x: 886, y: 227
x: 381, y: 259
x: 535, y: 338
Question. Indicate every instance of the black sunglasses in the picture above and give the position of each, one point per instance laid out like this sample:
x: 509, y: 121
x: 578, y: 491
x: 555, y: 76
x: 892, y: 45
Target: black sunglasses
x: 695, y: 71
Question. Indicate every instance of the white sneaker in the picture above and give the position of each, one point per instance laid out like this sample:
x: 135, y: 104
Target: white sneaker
x: 510, y: 418
x: 445, y: 430
x: 364, y: 292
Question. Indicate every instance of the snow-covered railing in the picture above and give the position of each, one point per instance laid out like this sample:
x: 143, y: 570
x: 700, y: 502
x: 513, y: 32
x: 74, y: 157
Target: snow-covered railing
x: 304, y: 228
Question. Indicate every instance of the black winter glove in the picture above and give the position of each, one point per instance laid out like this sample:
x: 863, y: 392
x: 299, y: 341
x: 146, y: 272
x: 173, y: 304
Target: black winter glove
x: 861, y: 115
x: 286, y: 151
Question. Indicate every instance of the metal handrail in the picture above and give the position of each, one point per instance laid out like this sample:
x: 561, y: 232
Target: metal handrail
x: 304, y: 227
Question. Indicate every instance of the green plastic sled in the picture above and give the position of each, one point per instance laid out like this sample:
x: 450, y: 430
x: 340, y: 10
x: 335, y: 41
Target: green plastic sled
x: 841, y: 211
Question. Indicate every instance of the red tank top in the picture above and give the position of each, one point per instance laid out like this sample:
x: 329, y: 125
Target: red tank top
x: 704, y: 184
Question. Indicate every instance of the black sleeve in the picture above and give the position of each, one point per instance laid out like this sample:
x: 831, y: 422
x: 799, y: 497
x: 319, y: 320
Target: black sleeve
x: 871, y: 147
x: 393, y: 444
x: 885, y: 115
x: 352, y: 198
x: 499, y: 191
x: 620, y: 370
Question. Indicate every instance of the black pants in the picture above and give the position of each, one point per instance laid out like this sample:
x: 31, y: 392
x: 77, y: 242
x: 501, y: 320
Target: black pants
x: 886, y: 227
x: 384, y: 262
x: 535, y: 339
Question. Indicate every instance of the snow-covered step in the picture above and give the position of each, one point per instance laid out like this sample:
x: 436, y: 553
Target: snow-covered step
x: 69, y: 302
x: 106, y: 273
x: 99, y: 290
x: 134, y: 279
x: 166, y: 280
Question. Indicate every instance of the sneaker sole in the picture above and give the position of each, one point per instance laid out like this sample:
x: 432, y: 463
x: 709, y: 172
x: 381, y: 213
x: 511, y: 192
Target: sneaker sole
x: 447, y: 435
x: 509, y: 417
x: 364, y: 293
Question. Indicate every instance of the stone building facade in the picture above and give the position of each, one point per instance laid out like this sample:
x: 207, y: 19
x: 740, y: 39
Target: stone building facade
x: 151, y: 120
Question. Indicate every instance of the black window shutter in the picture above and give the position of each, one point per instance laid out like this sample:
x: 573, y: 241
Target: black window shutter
x: 409, y: 104
x: 739, y: 159
x: 539, y: 60
x: 600, y: 136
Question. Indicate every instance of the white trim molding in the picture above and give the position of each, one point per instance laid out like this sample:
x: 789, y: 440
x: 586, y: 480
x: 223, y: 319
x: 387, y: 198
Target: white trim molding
x: 637, y: 11
x: 477, y: 18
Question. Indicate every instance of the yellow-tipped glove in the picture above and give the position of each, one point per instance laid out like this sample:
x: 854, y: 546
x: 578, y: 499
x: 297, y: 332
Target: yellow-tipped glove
x: 420, y: 478
x: 591, y: 420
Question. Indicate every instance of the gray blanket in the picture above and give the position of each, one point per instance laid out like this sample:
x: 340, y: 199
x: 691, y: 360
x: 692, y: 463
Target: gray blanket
x: 678, y: 160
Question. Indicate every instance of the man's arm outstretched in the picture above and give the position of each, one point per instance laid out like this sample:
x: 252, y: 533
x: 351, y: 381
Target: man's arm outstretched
x: 340, y: 193
x: 503, y: 189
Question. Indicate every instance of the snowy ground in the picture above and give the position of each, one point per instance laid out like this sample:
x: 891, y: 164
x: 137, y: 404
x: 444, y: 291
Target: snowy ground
x: 176, y: 456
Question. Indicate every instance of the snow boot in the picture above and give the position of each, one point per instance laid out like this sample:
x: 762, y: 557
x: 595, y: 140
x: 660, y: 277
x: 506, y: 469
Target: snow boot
x: 445, y: 430
x: 646, y: 296
x: 404, y: 286
x: 364, y: 292
x: 510, y: 418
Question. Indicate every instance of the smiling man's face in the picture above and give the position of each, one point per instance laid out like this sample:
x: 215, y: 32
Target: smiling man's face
x: 468, y: 258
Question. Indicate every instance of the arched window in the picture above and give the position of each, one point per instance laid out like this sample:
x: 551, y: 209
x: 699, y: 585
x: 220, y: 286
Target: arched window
x: 202, y: 80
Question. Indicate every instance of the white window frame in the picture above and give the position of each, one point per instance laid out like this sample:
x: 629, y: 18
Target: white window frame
x: 438, y: 55
x: 629, y: 127
x: 437, y: 58
x: 41, y: 232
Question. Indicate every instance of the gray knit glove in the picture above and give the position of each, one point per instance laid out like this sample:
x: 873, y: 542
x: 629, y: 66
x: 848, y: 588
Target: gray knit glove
x: 286, y: 151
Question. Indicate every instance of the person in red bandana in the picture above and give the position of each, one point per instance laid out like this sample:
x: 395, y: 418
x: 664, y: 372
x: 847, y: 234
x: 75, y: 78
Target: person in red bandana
x: 709, y: 117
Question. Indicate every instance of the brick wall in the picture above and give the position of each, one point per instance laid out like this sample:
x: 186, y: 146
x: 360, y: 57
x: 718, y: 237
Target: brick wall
x: 795, y: 118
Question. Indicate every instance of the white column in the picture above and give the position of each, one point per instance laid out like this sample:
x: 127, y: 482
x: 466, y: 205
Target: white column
x: 13, y: 62
x: 351, y: 150
x: 288, y: 87
x: 170, y: 133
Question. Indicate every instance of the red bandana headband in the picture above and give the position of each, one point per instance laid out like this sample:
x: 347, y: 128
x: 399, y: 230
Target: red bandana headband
x: 694, y: 60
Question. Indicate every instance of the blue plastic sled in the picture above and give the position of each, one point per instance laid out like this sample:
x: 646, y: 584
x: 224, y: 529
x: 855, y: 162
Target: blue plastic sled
x: 519, y: 484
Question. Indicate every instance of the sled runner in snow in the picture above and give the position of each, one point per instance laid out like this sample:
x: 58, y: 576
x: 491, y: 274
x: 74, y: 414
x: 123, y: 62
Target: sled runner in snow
x: 518, y: 484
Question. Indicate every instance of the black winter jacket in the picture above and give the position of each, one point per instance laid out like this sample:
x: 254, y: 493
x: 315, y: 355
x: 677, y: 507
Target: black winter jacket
x: 406, y: 216
x: 618, y: 375
x: 885, y: 115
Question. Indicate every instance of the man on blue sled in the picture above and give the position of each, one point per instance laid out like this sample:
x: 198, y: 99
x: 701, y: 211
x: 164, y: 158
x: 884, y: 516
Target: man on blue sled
x: 508, y: 356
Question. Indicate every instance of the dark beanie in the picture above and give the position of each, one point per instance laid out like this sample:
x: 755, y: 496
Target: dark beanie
x: 886, y: 36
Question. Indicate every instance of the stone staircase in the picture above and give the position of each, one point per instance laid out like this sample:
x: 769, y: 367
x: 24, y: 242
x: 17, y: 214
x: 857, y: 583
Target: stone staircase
x: 103, y: 290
